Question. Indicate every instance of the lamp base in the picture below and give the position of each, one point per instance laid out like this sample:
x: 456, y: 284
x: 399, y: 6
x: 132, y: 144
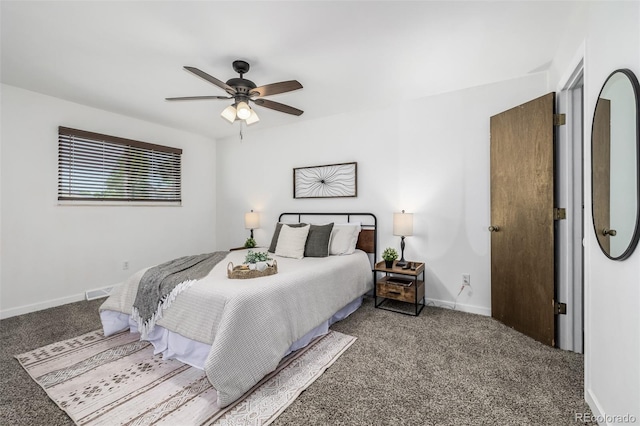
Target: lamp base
x: 401, y: 263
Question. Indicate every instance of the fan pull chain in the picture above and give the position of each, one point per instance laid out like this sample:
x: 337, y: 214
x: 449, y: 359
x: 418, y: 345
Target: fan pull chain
x: 241, y: 135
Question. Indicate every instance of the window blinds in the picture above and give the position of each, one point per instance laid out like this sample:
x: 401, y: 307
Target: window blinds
x: 97, y: 167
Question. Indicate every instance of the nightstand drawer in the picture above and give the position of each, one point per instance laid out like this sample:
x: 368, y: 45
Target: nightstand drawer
x: 399, y: 292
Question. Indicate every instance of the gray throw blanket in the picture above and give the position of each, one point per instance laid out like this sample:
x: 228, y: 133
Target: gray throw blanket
x: 160, y: 285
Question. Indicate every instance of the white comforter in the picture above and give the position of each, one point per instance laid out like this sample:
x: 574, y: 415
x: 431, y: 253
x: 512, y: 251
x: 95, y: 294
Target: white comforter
x: 251, y: 323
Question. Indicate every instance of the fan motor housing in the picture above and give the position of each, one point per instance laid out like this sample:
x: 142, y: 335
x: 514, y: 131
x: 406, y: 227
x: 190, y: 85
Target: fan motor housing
x: 242, y: 85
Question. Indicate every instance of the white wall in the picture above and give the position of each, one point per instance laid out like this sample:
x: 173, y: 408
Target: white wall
x: 52, y: 254
x: 607, y: 34
x: 429, y: 157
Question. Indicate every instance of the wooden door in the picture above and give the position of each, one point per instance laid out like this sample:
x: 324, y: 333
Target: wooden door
x: 522, y: 202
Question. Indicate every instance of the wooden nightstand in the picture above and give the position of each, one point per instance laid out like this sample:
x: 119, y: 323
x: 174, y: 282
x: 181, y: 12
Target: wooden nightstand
x: 403, y: 285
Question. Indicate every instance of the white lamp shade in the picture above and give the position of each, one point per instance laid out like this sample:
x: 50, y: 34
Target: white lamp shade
x: 253, y: 118
x: 251, y: 220
x: 403, y: 224
x: 229, y: 114
x: 243, y: 111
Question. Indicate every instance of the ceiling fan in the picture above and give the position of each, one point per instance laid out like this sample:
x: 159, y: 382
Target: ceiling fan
x: 243, y: 91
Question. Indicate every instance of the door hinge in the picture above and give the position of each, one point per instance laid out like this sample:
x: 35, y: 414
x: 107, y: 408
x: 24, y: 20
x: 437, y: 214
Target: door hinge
x: 559, y: 308
x: 559, y: 119
x: 559, y: 213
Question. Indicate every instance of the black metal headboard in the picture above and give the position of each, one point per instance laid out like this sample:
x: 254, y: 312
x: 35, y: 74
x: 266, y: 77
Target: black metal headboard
x: 368, y: 238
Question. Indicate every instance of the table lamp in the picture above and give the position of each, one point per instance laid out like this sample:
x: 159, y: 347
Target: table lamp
x: 403, y: 227
x: 251, y: 221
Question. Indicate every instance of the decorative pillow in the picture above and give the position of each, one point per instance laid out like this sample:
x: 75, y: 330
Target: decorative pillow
x: 291, y: 241
x: 318, y: 241
x: 276, y: 234
x: 344, y: 238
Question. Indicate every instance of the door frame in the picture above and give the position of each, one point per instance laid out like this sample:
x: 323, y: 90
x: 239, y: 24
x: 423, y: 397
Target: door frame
x: 570, y: 195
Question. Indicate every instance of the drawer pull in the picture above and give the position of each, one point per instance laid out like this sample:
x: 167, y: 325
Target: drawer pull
x: 395, y: 292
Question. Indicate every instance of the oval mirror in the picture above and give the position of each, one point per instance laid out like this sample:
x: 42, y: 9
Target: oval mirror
x: 615, y: 159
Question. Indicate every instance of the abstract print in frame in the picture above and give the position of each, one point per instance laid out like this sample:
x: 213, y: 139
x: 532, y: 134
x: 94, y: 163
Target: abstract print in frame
x: 332, y: 180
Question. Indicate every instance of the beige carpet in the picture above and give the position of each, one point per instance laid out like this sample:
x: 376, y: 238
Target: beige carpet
x: 117, y: 380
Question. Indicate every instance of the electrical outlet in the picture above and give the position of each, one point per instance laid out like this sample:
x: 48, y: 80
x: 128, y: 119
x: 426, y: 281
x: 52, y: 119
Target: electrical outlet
x: 466, y: 279
x: 125, y: 265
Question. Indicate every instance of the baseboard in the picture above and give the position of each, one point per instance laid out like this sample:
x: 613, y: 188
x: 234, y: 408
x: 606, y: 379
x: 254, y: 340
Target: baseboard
x: 26, y: 309
x: 595, y: 407
x: 92, y: 294
x: 472, y: 309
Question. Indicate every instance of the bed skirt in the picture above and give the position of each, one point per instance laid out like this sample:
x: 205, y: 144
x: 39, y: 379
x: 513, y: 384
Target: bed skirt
x: 175, y: 346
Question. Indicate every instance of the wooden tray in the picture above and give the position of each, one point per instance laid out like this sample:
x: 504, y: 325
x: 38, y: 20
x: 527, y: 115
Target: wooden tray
x: 242, y: 272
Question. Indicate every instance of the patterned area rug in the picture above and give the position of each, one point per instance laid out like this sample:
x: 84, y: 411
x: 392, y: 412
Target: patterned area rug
x: 117, y: 380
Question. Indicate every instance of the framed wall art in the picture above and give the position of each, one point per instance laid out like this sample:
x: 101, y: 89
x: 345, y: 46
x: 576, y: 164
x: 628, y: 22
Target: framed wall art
x: 330, y: 181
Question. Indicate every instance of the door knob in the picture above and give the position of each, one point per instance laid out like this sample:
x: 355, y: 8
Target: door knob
x: 493, y: 228
x: 607, y: 231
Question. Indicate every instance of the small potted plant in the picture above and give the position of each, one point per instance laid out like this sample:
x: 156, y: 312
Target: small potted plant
x: 250, y: 243
x: 257, y: 260
x: 389, y: 255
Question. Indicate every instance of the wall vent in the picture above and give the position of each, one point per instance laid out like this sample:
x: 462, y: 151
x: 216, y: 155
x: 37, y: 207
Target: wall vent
x: 98, y: 293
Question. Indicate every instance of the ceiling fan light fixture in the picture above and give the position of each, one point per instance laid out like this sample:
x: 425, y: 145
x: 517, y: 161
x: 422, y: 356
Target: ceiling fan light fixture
x: 253, y: 118
x: 243, y: 110
x: 229, y: 114
x: 243, y: 91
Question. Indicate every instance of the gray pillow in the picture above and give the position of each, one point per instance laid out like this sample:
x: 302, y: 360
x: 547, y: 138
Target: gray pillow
x: 318, y: 241
x: 276, y: 234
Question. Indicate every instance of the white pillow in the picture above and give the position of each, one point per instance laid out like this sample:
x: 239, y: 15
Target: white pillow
x: 344, y: 238
x: 291, y: 241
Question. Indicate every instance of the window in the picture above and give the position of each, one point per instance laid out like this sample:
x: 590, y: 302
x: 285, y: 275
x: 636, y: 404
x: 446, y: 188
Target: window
x: 95, y: 167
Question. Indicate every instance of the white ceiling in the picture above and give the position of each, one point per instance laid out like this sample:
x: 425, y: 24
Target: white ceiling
x: 127, y: 56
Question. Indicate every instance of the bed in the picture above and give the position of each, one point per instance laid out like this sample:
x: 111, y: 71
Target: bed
x: 237, y: 331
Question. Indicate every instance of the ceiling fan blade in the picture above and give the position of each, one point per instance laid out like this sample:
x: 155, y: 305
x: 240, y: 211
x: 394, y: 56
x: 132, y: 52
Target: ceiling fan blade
x: 278, y: 106
x: 197, y: 98
x: 275, y: 88
x: 230, y: 90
